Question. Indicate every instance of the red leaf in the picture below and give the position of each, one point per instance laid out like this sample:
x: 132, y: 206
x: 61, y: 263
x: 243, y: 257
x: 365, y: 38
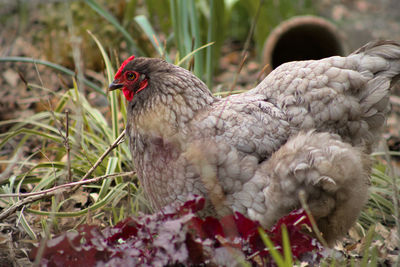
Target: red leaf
x: 174, y: 236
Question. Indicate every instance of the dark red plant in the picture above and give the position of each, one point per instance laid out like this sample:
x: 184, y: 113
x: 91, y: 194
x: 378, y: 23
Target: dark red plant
x: 173, y: 236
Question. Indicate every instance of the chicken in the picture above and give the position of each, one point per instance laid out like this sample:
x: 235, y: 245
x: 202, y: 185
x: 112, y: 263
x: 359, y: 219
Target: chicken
x: 308, y: 127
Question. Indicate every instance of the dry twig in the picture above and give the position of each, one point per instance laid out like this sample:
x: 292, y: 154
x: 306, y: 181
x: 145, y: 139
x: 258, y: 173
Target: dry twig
x: 34, y: 196
x: 117, y: 141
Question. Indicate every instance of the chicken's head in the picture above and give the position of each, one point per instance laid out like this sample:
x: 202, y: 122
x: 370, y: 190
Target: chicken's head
x: 130, y: 77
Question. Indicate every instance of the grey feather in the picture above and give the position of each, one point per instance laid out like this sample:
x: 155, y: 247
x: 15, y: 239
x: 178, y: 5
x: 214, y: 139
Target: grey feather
x: 309, y: 126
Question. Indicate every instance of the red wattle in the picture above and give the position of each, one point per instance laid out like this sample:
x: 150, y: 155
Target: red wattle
x: 128, y: 94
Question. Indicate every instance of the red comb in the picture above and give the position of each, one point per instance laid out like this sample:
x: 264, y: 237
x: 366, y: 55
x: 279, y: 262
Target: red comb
x: 119, y: 72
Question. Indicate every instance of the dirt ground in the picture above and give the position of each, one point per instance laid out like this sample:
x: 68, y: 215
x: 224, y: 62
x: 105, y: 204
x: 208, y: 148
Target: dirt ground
x: 363, y: 20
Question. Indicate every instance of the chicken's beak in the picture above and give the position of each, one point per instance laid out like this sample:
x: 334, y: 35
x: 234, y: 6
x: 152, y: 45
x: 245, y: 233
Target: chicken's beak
x: 115, y: 85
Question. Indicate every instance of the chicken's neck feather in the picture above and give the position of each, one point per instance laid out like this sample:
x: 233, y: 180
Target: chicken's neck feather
x: 170, y: 102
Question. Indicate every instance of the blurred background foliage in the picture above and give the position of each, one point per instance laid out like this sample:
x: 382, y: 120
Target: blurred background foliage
x: 180, y: 26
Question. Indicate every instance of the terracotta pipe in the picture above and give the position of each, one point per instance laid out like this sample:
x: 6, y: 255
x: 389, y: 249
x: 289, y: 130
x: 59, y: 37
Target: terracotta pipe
x: 302, y: 38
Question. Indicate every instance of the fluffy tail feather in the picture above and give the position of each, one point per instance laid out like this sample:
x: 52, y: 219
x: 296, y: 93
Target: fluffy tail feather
x: 333, y: 174
x: 379, y: 60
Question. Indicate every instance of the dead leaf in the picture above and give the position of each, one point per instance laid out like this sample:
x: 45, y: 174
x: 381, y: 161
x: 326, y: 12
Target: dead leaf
x: 11, y: 77
x: 80, y: 197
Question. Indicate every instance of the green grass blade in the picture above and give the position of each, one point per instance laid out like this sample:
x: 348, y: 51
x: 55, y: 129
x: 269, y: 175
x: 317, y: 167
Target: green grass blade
x: 195, y: 29
x: 272, y: 250
x: 111, y: 166
x: 287, y: 251
x: 367, y: 245
x: 53, y: 66
x: 374, y: 257
x: 209, y: 58
x: 24, y: 223
x: 110, y: 18
x: 176, y: 21
x: 129, y: 11
x: 184, y: 26
x: 110, y: 72
x: 107, y: 199
x: 113, y: 94
x: 57, y: 139
x: 180, y: 62
x: 145, y: 24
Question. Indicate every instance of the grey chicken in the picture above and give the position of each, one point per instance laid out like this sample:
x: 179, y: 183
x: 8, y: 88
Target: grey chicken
x: 309, y: 127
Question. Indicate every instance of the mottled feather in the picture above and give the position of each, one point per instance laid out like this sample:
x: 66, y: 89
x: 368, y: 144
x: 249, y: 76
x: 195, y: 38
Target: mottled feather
x: 308, y: 127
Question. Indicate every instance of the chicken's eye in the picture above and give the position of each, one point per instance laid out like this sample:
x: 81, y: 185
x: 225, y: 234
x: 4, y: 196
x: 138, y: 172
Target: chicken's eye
x: 131, y: 76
